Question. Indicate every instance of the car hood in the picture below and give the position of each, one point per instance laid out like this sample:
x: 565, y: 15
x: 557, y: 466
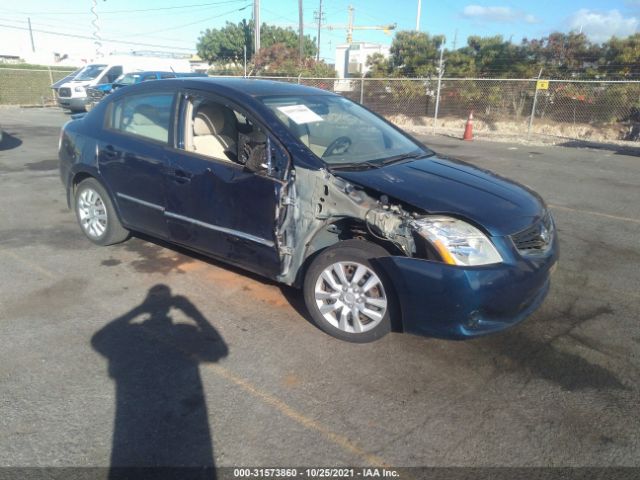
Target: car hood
x: 443, y: 185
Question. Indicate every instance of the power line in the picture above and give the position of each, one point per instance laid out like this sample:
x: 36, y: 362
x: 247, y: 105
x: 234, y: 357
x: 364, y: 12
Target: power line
x: 177, y: 27
x: 86, y: 37
x: 84, y: 30
x: 109, y: 12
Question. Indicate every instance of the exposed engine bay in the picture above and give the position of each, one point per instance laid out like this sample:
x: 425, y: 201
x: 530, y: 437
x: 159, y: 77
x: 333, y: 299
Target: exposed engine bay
x: 318, y: 209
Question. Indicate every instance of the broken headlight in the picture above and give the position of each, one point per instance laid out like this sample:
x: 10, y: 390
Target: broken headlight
x: 457, y: 242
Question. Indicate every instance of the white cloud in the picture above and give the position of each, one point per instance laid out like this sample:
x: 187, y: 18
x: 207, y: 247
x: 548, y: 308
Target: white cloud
x: 600, y: 26
x: 498, y: 14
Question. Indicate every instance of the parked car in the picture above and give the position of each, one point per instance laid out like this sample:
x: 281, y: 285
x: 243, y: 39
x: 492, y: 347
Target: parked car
x: 55, y: 86
x: 98, y: 92
x: 72, y: 94
x: 312, y: 190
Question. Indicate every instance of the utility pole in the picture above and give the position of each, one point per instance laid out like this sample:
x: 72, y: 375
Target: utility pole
x: 440, y: 75
x: 350, y: 26
x: 33, y: 46
x: 418, y: 16
x: 320, y: 20
x: 256, y: 26
x: 300, y: 30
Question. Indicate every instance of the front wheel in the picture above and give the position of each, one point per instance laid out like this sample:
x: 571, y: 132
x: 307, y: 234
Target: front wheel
x: 96, y: 215
x: 347, y: 295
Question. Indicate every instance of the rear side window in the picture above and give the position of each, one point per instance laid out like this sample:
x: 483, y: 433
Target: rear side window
x: 145, y: 115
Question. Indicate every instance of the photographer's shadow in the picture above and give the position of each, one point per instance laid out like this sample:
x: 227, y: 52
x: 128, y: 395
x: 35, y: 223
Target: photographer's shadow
x: 161, y: 415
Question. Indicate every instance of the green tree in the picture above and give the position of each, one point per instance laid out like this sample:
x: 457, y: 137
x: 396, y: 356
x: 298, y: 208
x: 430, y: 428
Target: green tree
x: 280, y: 60
x: 415, y: 54
x: 226, y: 45
x: 272, y: 35
x: 621, y: 56
x: 379, y: 66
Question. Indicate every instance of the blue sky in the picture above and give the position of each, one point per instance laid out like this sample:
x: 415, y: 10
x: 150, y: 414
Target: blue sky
x: 179, y: 22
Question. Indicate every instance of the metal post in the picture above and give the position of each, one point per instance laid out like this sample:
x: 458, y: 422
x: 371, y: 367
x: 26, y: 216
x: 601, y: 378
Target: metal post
x: 256, y: 26
x: 53, y: 95
x: 362, y: 91
x: 319, y: 28
x: 440, y: 75
x: 418, y: 16
x: 300, y: 30
x: 244, y: 48
x: 33, y: 46
x: 533, y: 108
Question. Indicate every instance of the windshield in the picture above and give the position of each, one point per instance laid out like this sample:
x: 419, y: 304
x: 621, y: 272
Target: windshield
x: 90, y: 72
x: 341, y: 132
x: 127, y: 79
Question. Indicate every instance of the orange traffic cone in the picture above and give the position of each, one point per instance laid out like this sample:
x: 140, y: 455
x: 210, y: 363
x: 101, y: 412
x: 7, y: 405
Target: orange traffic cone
x: 468, y: 129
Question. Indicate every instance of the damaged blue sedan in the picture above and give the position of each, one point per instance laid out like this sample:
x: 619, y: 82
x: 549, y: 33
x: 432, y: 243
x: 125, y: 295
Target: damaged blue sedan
x: 310, y: 189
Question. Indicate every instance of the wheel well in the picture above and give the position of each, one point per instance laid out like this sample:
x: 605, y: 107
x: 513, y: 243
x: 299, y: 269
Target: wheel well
x: 79, y: 177
x: 340, y: 231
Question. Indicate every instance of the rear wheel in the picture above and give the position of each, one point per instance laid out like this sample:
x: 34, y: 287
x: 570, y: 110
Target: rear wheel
x: 96, y: 216
x: 347, y: 295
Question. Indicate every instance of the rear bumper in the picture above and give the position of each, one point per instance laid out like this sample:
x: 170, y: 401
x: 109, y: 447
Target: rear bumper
x: 452, y: 302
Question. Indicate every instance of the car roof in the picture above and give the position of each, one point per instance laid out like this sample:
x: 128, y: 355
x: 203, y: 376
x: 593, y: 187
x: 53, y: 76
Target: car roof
x: 249, y: 86
x: 147, y: 72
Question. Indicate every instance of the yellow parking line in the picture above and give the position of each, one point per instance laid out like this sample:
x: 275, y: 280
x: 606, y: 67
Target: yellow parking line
x: 298, y: 417
x: 606, y: 215
x: 29, y: 264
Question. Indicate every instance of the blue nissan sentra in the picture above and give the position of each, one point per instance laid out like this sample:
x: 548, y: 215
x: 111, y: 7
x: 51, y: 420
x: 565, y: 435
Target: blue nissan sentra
x: 310, y: 189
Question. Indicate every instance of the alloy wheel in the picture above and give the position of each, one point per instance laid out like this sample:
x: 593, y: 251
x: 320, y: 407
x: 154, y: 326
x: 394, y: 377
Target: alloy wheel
x: 351, y: 297
x: 92, y: 213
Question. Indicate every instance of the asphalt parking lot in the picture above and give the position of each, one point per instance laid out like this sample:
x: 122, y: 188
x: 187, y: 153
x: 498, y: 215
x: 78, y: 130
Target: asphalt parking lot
x: 561, y: 389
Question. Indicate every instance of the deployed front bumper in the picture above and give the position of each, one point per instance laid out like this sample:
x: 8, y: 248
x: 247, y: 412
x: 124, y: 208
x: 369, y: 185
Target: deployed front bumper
x: 453, y: 302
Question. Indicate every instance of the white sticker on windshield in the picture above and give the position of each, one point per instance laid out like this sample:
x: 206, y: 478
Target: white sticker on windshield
x: 300, y: 114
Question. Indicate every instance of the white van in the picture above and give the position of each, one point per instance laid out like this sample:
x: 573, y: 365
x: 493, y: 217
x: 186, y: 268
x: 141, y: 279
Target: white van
x: 72, y: 95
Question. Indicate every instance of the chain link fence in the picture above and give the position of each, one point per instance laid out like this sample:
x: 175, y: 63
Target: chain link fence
x: 587, y: 110
x: 28, y: 87
x: 598, y: 111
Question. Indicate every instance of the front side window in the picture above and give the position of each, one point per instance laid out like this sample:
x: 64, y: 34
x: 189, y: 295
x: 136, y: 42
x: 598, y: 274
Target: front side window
x: 219, y: 132
x: 147, y: 115
x: 112, y: 74
x: 339, y: 131
x: 128, y: 79
x: 90, y: 72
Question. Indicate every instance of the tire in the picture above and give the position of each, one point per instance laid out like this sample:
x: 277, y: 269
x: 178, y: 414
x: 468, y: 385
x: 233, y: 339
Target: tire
x: 334, y: 303
x: 95, y: 214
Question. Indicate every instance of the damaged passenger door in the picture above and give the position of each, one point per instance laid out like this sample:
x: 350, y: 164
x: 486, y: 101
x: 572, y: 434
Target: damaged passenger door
x: 224, y: 185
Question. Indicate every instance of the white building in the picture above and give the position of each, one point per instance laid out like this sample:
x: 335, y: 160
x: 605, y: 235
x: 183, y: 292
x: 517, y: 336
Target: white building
x: 351, y: 60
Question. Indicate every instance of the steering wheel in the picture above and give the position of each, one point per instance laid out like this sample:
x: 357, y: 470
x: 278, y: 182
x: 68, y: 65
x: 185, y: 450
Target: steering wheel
x: 338, y: 146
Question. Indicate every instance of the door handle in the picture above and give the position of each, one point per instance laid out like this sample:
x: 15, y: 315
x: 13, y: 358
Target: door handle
x: 180, y: 176
x: 110, y: 152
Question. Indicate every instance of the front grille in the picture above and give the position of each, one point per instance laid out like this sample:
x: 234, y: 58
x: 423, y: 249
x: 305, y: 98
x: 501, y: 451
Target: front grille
x: 64, y: 92
x: 94, y: 95
x: 536, y: 238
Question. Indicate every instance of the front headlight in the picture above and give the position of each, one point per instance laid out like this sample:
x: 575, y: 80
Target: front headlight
x: 79, y: 89
x: 457, y: 242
